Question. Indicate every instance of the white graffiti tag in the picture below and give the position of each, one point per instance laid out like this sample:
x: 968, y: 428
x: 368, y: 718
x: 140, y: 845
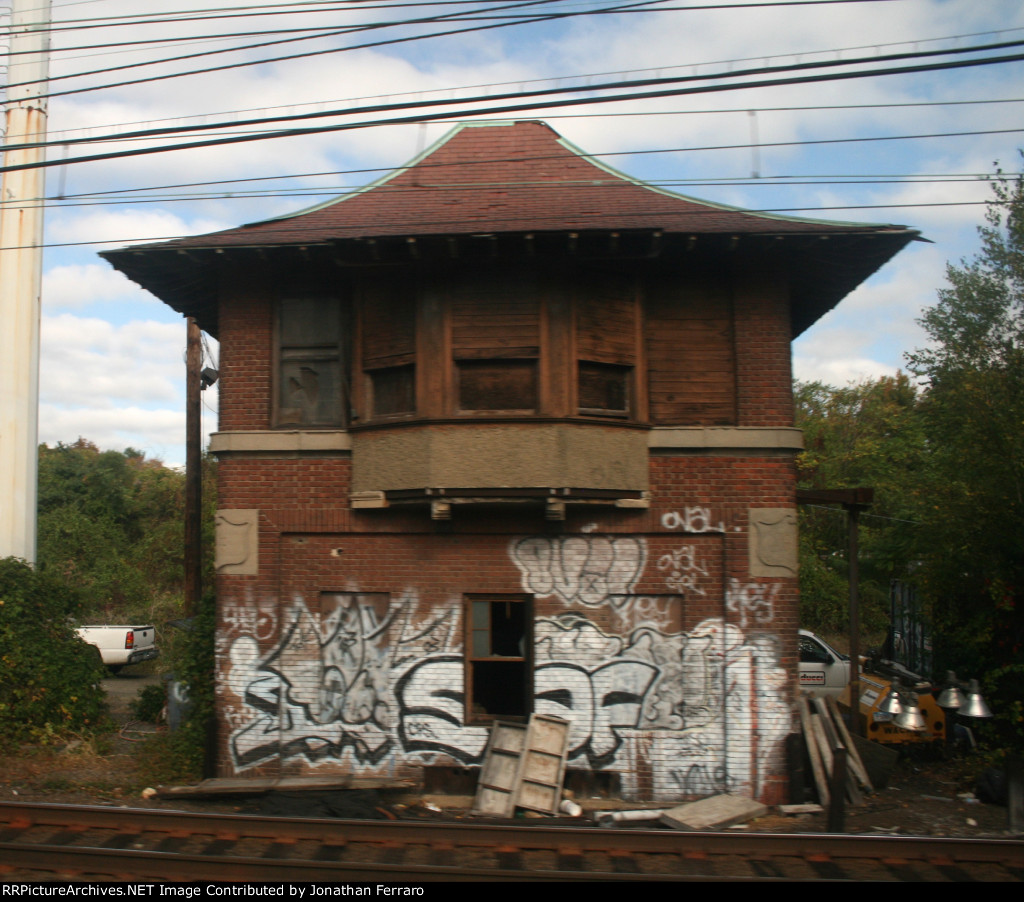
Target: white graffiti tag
x: 753, y: 600
x: 694, y: 518
x: 685, y: 569
x: 579, y: 569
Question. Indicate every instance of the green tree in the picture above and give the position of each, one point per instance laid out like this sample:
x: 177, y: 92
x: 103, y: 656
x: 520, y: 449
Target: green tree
x: 111, y: 524
x: 863, y: 435
x: 972, y: 497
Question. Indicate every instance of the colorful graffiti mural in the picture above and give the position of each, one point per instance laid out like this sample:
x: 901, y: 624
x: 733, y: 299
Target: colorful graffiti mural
x: 371, y: 682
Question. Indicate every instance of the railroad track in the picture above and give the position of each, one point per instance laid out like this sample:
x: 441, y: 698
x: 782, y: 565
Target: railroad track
x: 40, y: 841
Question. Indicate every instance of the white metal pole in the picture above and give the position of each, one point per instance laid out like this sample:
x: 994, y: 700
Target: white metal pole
x: 21, y: 267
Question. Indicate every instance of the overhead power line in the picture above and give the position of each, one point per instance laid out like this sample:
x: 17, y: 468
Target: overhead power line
x: 117, y: 195
x: 165, y: 131
x: 835, y: 53
x: 321, y: 33
x: 548, y: 17
x: 244, y: 12
x: 281, y: 9
x: 518, y: 108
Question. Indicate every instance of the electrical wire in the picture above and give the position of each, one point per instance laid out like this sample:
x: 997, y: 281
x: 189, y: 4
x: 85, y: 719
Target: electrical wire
x: 760, y: 181
x: 471, y: 186
x: 542, y: 92
x: 517, y: 108
x: 60, y: 138
x: 291, y: 9
x: 318, y: 35
x: 550, y: 17
x: 636, y: 72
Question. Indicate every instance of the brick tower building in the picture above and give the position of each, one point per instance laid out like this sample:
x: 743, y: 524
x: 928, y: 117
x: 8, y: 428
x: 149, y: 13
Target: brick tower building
x: 509, y: 432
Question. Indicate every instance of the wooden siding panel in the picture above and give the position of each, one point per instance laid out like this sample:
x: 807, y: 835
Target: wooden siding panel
x: 389, y: 327
x: 690, y: 356
x: 495, y: 319
x: 606, y: 322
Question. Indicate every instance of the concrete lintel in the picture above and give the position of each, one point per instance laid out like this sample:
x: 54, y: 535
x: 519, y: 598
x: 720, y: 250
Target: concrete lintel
x: 368, y: 500
x: 280, y: 441
x: 722, y: 438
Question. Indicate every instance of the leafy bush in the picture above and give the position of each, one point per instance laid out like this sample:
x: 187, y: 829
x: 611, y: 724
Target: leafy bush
x: 148, y: 705
x: 49, y: 678
x: 181, y: 756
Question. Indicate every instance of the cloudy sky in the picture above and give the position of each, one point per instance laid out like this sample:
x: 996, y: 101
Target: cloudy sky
x: 112, y: 355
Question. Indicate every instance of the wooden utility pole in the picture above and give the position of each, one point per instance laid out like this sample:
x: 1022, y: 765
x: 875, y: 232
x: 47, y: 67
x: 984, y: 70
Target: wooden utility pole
x: 193, y: 469
x: 21, y: 272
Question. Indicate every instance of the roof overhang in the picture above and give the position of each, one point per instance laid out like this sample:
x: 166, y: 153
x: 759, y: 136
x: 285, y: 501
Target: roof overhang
x: 822, y: 267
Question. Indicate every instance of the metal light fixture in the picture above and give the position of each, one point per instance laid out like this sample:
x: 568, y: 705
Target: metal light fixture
x: 952, y: 696
x: 965, y: 702
x: 911, y: 718
x: 893, y: 703
x: 975, y: 705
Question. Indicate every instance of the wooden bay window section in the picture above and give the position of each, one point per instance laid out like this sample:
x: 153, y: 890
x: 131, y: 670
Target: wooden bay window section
x: 524, y: 379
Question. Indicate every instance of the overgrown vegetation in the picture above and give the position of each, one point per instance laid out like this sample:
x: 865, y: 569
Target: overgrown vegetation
x: 868, y: 434
x: 49, y: 678
x: 110, y: 550
x: 946, y: 459
x: 111, y: 523
x: 180, y: 756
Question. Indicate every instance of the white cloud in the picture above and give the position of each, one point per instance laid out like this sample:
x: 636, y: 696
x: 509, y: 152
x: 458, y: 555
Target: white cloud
x: 74, y: 286
x: 106, y: 228
x: 91, y: 362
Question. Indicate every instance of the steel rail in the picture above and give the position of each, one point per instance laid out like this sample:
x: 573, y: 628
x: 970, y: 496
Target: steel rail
x: 505, y: 843
x: 136, y: 865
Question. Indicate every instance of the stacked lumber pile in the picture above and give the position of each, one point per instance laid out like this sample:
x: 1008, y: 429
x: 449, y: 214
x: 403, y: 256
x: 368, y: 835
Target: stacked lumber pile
x: 825, y: 733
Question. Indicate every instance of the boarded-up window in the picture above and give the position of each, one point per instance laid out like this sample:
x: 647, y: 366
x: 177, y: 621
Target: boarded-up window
x: 497, y: 385
x: 394, y: 390
x: 389, y: 349
x: 313, y: 361
x: 604, y: 388
x: 498, y: 654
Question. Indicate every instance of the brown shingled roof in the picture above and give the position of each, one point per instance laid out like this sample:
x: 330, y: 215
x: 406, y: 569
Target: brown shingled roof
x: 500, y: 178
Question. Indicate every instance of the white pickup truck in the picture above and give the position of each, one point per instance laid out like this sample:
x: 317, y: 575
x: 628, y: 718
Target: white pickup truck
x: 120, y: 646
x: 823, y: 670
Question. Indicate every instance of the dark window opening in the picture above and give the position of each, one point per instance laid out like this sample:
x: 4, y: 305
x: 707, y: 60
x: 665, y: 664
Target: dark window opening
x: 498, y: 641
x: 394, y: 390
x: 497, y: 385
x: 604, y: 388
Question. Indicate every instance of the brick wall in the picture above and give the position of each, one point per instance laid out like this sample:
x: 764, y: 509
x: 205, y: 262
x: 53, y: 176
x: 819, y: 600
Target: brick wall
x: 346, y: 652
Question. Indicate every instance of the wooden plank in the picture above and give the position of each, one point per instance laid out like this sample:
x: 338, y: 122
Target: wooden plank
x: 713, y: 813
x: 824, y: 747
x: 498, y: 783
x: 543, y: 763
x: 856, y: 765
x: 832, y: 737
x: 817, y: 768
